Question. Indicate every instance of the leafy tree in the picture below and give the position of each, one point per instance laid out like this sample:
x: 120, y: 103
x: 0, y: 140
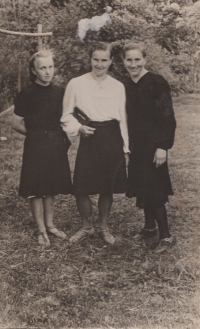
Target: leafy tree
x: 22, y: 16
x: 171, y: 34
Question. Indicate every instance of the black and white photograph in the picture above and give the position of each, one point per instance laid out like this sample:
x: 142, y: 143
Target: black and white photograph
x: 99, y: 164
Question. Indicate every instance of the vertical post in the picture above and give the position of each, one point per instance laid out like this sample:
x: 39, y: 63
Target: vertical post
x: 39, y: 29
x: 194, y: 59
x: 194, y: 74
x: 19, y: 71
x: 19, y: 82
x: 14, y: 8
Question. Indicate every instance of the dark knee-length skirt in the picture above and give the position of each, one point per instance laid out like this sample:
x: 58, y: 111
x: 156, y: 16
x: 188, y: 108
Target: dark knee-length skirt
x: 149, y: 184
x: 45, y: 167
x: 100, y: 163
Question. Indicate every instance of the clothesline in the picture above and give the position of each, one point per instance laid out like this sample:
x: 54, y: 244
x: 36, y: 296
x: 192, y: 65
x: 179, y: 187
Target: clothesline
x: 35, y: 34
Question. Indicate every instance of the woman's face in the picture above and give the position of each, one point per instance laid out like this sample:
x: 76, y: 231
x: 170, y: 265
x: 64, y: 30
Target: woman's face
x: 44, y: 70
x: 100, y: 62
x: 134, y: 62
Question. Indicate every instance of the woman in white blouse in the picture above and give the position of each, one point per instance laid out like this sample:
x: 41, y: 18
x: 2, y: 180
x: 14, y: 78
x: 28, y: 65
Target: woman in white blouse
x: 103, y: 151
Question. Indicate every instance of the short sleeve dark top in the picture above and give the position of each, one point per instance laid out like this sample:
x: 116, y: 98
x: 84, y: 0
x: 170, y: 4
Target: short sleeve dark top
x: 150, y: 112
x: 40, y: 106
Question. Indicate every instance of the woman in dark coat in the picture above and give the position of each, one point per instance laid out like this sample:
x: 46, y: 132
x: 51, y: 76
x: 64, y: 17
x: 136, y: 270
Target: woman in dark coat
x: 151, y: 126
x: 45, y: 167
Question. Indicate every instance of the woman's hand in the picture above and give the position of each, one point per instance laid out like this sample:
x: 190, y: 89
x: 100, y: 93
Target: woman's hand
x: 126, y: 155
x: 86, y: 131
x: 18, y: 124
x: 160, y: 157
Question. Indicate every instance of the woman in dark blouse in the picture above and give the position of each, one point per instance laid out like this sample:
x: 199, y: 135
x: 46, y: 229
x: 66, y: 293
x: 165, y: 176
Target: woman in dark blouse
x: 45, y: 168
x: 151, y: 126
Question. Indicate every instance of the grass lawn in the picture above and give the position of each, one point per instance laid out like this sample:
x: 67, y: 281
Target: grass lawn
x: 91, y: 285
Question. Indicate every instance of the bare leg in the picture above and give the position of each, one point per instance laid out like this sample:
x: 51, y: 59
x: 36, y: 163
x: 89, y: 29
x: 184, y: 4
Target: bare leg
x: 104, y: 204
x: 84, y: 206
x: 48, y: 203
x: 38, y: 215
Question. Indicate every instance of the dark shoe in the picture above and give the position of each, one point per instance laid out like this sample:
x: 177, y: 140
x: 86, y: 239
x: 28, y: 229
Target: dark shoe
x: 148, y: 233
x: 164, y: 244
x: 107, y: 236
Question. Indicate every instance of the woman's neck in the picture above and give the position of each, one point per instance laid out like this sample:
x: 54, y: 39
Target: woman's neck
x: 98, y: 79
x: 137, y: 78
x: 44, y: 84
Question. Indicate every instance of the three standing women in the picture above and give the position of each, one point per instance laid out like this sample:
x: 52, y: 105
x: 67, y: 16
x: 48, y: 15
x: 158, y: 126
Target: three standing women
x: 103, y: 151
x: 151, y: 126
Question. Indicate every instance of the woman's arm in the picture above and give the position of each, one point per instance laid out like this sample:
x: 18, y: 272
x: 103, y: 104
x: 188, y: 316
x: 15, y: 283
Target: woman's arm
x: 123, y: 120
x: 18, y: 124
x: 69, y: 123
x: 165, y: 121
x: 164, y: 116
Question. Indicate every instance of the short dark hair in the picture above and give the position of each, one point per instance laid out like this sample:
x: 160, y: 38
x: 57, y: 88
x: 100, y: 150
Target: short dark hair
x: 101, y: 46
x: 41, y: 53
x: 135, y: 46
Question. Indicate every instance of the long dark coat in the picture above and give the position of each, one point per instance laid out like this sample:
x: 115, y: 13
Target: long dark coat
x: 151, y: 125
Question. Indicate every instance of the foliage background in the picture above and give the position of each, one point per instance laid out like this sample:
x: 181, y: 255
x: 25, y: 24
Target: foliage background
x: 170, y: 31
x: 91, y: 285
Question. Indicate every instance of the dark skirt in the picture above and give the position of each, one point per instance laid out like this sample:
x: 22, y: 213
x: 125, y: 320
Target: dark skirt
x: 149, y: 184
x: 100, y: 163
x: 45, y: 167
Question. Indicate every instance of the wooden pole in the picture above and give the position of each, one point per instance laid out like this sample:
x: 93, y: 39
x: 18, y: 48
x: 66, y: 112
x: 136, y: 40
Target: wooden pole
x: 19, y: 87
x: 39, y: 29
x: 14, y: 8
x: 193, y: 75
x: 194, y: 60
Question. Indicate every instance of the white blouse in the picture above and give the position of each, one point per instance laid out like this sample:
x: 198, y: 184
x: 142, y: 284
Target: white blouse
x: 100, y: 101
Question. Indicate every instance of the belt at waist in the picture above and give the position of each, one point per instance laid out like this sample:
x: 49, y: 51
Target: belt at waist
x: 101, y: 123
